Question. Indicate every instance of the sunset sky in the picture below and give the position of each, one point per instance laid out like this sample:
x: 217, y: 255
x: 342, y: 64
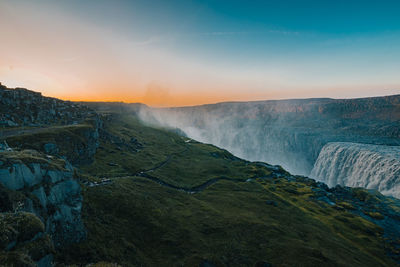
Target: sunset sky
x: 185, y: 52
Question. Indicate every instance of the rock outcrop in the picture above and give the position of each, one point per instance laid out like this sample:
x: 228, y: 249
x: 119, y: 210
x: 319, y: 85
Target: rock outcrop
x: 59, y: 128
x: 22, y: 107
x: 46, y: 190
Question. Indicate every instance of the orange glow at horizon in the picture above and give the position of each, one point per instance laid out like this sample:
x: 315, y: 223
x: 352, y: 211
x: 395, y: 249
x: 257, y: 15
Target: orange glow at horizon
x: 158, y: 96
x: 60, y: 55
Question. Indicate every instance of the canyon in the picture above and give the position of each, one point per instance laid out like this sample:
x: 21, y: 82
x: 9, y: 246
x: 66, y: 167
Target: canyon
x: 290, y: 133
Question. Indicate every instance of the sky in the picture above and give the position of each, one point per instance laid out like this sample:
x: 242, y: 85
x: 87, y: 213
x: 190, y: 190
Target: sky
x: 189, y: 52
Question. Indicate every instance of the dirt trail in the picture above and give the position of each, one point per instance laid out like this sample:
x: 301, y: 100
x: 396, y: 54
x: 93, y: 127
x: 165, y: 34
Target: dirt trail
x: 21, y: 131
x: 189, y: 190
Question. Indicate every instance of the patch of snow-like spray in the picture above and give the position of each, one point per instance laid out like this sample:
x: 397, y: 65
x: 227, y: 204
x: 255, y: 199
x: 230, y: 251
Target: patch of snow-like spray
x: 360, y: 165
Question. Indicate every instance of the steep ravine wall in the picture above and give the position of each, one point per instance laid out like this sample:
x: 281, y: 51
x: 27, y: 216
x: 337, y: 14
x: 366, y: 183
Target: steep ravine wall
x: 360, y: 165
x: 294, y: 147
x: 290, y: 133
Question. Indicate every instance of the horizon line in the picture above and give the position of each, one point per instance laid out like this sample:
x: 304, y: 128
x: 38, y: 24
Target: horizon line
x: 204, y: 104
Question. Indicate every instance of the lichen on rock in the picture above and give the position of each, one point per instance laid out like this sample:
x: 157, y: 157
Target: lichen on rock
x: 41, y: 203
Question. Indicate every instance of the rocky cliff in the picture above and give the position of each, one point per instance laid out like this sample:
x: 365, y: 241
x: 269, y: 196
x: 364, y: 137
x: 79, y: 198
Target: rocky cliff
x: 52, y: 126
x: 45, y: 193
x: 41, y: 140
x: 22, y: 107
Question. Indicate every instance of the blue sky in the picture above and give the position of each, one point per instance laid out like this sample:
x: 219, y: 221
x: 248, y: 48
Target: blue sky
x: 206, y: 50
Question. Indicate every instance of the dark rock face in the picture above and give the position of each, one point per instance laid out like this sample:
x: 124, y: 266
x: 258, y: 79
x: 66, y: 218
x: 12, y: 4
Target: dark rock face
x: 21, y: 107
x: 47, y: 189
x: 42, y: 187
x: 263, y: 264
x: 272, y: 203
x: 59, y: 128
x: 206, y: 263
x: 50, y: 148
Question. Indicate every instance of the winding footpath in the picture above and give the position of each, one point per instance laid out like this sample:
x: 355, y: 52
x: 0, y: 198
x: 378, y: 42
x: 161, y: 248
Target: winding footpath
x: 4, y: 133
x: 189, y: 190
x: 19, y: 131
x: 275, y: 172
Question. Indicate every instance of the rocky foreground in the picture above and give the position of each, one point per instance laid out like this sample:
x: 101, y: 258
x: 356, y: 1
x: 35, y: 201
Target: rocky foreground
x: 41, y: 205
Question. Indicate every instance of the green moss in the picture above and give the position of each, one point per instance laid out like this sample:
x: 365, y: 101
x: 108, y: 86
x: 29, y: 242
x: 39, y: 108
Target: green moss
x: 24, y: 225
x: 71, y: 140
x: 100, y: 264
x: 23, y: 233
x: 375, y: 215
x: 37, y: 248
x: 363, y: 194
x: 346, y: 205
x: 31, y: 156
x: 14, y: 259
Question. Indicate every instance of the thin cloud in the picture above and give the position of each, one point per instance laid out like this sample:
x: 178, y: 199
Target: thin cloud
x: 222, y: 33
x: 150, y: 41
x: 173, y: 36
x: 232, y: 33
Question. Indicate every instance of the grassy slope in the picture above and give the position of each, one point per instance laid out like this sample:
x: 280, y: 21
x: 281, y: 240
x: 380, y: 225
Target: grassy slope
x: 69, y: 139
x: 137, y: 222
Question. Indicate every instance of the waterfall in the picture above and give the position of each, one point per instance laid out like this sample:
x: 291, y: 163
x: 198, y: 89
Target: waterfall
x: 360, y: 165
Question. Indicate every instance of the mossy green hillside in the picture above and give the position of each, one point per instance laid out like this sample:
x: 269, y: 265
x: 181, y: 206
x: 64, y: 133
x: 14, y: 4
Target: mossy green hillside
x: 255, y: 217
x: 152, y: 147
x: 77, y: 143
x: 172, y: 158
